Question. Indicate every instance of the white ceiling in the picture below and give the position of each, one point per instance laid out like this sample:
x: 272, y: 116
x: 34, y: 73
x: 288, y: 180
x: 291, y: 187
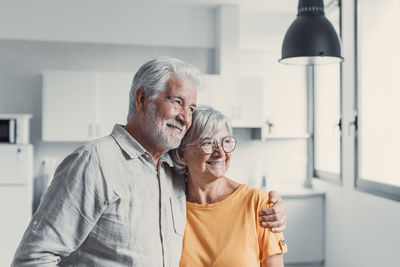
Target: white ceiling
x: 262, y: 6
x: 268, y: 6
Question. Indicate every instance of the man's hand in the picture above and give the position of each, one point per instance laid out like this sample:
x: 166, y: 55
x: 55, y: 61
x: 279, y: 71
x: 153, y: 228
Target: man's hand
x: 275, y: 216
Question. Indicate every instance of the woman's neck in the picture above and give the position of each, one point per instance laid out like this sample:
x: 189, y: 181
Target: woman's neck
x: 209, y: 192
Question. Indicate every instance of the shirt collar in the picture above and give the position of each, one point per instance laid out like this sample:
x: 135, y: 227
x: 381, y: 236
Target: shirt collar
x: 131, y: 147
x: 126, y: 142
x: 167, y: 159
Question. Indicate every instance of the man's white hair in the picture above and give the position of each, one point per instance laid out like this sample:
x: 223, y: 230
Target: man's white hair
x: 154, y: 75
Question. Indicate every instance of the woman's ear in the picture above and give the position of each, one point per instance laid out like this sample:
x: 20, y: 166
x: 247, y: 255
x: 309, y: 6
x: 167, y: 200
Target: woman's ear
x: 140, y: 98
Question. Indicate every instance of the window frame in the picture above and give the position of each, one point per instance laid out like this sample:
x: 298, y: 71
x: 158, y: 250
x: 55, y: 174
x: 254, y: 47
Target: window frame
x: 372, y: 187
x: 323, y: 175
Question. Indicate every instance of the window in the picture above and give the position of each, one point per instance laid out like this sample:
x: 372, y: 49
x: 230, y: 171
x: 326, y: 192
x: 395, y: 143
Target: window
x: 378, y: 97
x: 327, y: 105
x: 327, y: 122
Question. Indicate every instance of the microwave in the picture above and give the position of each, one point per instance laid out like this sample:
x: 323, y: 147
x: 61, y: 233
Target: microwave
x: 14, y: 128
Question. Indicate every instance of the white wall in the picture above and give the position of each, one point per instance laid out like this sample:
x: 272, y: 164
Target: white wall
x: 361, y: 229
x: 261, y: 31
x: 104, y: 21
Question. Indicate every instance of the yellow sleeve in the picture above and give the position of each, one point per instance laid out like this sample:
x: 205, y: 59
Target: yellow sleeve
x: 269, y: 243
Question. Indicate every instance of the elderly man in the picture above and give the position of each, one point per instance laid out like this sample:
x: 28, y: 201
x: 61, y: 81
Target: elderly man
x: 116, y: 201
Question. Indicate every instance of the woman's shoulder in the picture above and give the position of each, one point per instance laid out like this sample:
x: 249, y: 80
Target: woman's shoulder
x: 256, y: 195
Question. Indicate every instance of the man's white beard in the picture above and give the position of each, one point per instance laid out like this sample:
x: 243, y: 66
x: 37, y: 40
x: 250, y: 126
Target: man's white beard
x: 161, y: 133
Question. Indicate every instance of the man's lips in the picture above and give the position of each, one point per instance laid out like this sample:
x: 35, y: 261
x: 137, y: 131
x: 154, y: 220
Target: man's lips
x: 176, y: 127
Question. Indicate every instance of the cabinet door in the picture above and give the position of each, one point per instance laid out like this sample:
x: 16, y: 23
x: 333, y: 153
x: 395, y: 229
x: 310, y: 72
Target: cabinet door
x: 221, y: 93
x: 204, y: 96
x: 15, y: 164
x: 286, y: 99
x: 16, y: 208
x: 68, y: 106
x: 248, y: 103
x: 112, y: 100
x: 305, y: 230
x: 240, y: 98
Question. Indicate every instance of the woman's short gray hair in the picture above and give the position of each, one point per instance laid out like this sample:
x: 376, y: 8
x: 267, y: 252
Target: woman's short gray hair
x: 207, y: 121
x: 153, y: 76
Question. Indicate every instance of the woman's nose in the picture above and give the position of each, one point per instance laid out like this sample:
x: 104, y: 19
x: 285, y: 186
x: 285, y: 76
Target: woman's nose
x: 217, y: 147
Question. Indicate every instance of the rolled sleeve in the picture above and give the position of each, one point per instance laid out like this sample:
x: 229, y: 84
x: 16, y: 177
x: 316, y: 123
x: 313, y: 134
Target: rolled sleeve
x: 68, y: 212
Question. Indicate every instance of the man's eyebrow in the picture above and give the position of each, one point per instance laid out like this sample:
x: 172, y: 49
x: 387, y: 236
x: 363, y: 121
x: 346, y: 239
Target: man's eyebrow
x: 181, y: 98
x: 175, y: 96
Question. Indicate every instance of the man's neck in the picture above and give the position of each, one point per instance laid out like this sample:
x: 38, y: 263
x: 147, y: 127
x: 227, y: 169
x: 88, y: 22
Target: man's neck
x: 135, y: 129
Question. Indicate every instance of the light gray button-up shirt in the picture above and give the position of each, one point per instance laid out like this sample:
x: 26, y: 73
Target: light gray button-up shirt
x: 108, y: 205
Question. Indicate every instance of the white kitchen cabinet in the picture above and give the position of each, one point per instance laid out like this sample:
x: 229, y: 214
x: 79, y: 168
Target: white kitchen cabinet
x: 285, y: 100
x: 16, y: 178
x: 112, y: 100
x: 305, y: 227
x: 15, y: 164
x: 80, y: 106
x: 69, y: 100
x: 240, y: 98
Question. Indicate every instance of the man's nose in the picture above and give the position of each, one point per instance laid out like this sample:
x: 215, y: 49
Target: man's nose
x: 185, y: 116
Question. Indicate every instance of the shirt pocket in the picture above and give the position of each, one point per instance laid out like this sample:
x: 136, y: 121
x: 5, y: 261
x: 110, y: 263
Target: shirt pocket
x: 178, y: 211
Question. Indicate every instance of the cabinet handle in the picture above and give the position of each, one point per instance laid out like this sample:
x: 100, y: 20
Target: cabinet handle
x: 19, y: 154
x: 269, y: 125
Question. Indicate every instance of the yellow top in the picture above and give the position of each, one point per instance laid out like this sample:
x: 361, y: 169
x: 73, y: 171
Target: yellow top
x: 228, y: 233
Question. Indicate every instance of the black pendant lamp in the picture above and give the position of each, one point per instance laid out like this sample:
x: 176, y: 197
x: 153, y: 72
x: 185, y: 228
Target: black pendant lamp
x: 311, y: 38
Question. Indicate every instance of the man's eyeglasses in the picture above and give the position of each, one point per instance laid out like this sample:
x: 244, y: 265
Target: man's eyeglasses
x: 208, y: 145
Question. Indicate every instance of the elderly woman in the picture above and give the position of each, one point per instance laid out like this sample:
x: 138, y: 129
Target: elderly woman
x: 222, y: 228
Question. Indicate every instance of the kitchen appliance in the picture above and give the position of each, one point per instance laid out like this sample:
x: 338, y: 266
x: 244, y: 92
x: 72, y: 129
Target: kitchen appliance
x: 16, y: 179
x: 14, y: 128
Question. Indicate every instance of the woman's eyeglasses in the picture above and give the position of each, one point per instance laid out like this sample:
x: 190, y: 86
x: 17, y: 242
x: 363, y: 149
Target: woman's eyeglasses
x: 209, y: 145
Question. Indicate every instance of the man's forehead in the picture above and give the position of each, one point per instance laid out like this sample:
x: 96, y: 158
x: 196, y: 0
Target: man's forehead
x: 181, y: 87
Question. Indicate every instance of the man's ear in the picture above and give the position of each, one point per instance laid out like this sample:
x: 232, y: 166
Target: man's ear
x: 140, y: 98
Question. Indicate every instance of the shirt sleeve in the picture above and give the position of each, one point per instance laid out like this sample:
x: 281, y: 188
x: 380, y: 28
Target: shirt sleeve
x: 68, y: 212
x: 269, y: 243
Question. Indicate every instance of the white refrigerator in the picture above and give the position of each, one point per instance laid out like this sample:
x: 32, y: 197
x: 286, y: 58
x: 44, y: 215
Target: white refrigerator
x: 16, y: 191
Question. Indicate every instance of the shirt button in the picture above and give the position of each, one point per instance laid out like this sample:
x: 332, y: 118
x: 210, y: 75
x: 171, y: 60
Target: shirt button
x: 146, y: 155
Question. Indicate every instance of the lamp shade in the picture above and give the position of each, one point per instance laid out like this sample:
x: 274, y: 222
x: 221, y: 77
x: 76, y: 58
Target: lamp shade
x: 311, y: 39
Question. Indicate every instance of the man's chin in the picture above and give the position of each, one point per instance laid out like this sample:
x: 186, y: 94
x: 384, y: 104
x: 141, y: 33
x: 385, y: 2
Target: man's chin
x: 173, y: 145
x: 169, y: 144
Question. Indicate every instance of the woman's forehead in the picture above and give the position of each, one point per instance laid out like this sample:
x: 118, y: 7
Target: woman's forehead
x: 216, y: 133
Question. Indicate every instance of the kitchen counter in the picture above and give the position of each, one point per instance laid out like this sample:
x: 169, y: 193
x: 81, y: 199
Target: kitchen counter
x: 305, y: 225
x: 295, y: 191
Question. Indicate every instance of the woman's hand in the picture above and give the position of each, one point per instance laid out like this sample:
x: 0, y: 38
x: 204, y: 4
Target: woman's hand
x: 275, y: 216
